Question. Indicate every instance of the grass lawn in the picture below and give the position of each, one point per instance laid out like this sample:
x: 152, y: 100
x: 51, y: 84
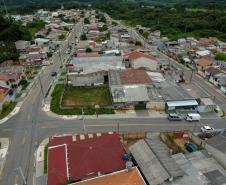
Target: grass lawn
x: 5, y: 112
x: 46, y: 159
x: 89, y: 96
x: 55, y: 106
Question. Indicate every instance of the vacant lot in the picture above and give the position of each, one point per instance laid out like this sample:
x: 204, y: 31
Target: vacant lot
x: 86, y: 96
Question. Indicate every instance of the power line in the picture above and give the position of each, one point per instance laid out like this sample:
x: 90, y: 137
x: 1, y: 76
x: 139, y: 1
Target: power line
x: 6, y: 11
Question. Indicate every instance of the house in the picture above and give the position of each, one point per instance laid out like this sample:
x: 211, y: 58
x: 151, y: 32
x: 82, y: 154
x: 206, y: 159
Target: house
x: 129, y: 86
x: 123, y: 177
x: 202, y: 64
x: 212, y: 71
x: 87, y: 71
x: 41, y: 42
x: 138, y: 60
x: 10, y: 79
x: 80, y: 157
x: 204, y: 53
x: 37, y: 55
x: 222, y: 81
x: 5, y: 95
x: 22, y: 44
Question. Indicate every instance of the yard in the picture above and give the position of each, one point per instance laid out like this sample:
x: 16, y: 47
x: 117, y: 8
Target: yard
x: 55, y: 105
x: 7, y: 109
x: 87, y: 96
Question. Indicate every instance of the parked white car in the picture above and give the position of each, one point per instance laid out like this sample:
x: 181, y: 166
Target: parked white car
x: 206, y: 129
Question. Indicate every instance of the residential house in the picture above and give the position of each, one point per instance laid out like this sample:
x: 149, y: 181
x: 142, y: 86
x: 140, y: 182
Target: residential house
x: 5, y: 95
x: 211, y: 72
x: 22, y: 44
x: 41, y: 42
x: 87, y: 71
x: 221, y: 78
x: 202, y: 64
x: 138, y: 60
x: 203, y: 53
x: 9, y: 80
x: 129, y: 86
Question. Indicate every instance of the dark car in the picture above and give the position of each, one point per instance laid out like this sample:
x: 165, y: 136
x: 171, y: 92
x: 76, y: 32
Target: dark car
x: 53, y: 73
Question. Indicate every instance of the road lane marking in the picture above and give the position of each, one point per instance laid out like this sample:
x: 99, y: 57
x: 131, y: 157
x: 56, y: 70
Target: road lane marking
x: 50, y: 126
x: 24, y: 140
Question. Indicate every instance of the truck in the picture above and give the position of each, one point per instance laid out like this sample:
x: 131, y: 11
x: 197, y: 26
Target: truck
x: 193, y: 117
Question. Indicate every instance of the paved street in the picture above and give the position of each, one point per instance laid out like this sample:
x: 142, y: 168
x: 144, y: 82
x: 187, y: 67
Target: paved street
x: 28, y: 128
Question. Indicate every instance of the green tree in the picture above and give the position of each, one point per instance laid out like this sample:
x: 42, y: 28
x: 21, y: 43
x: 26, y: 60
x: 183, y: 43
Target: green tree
x: 220, y: 56
x: 138, y: 43
x: 88, y: 50
x: 86, y: 21
x: 5, y: 105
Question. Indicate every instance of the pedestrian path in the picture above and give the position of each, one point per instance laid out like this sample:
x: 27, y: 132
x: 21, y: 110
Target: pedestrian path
x: 4, y: 145
x: 117, y: 115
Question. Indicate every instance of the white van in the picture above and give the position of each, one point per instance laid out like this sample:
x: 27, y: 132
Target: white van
x: 193, y: 117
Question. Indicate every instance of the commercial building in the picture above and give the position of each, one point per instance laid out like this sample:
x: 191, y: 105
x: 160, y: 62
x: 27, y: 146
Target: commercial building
x: 83, y: 156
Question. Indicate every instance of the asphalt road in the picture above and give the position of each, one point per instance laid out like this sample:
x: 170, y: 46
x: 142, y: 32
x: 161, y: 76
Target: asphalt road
x: 28, y: 128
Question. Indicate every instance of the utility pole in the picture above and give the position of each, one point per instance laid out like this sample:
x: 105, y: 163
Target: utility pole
x: 83, y: 122
x: 192, y: 71
x: 6, y: 11
x: 22, y: 175
x: 39, y: 79
x: 60, y: 58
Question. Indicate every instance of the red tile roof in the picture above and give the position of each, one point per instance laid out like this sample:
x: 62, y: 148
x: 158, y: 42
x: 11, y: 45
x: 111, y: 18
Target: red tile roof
x: 86, y: 157
x: 57, y: 168
x: 136, y: 54
x: 134, y: 76
x: 124, y: 177
x: 9, y: 76
x: 204, y: 62
x: 213, y: 70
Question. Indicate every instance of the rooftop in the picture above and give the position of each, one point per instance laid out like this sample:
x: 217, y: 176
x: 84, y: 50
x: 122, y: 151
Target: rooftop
x: 85, y: 155
x: 124, y: 177
x: 129, y: 77
x: 136, y: 54
x: 205, y: 61
x: 92, y: 64
x: 150, y: 166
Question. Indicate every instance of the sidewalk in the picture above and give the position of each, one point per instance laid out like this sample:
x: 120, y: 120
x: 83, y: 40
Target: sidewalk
x: 4, y: 145
x: 127, y: 114
x: 40, y: 177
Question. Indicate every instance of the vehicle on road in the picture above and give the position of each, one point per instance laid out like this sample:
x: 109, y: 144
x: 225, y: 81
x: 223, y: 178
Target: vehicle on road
x: 174, y: 117
x: 193, y: 117
x: 206, y: 129
x: 53, y: 73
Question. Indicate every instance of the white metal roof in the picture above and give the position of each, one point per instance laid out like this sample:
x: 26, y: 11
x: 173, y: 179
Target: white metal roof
x: 181, y: 103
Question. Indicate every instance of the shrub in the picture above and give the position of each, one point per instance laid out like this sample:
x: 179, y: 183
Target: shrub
x: 5, y: 105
